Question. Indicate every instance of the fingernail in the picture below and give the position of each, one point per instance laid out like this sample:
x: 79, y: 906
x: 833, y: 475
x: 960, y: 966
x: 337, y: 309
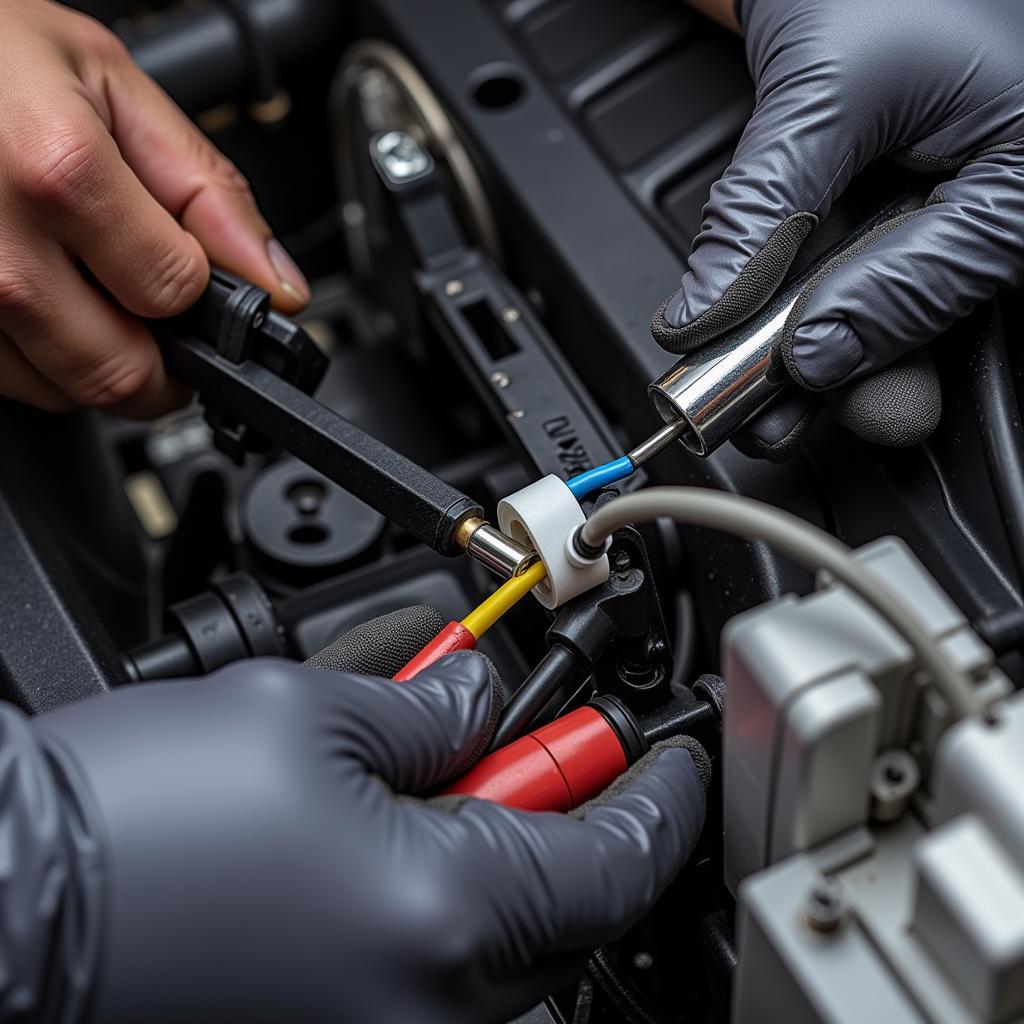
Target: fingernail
x: 293, y: 284
x: 826, y: 352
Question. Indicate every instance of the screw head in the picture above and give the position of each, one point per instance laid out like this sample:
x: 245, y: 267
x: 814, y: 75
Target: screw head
x: 826, y: 906
x: 257, y: 320
x: 510, y: 314
x: 454, y: 287
x: 895, y: 777
x: 401, y: 156
x: 500, y: 379
x: 894, y: 773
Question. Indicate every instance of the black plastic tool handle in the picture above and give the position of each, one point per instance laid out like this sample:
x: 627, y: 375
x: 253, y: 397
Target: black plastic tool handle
x: 238, y: 375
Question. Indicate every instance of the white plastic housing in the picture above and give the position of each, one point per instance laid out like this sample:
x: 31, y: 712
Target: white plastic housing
x: 545, y: 515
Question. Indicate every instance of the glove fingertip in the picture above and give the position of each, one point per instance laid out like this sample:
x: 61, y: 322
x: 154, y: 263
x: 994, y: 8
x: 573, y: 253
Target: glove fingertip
x: 822, y: 353
x: 660, y: 805
x: 464, y: 676
x: 673, y: 313
x: 728, y: 282
x: 471, y: 682
x: 468, y: 667
x: 669, y: 768
x: 898, y: 406
x: 775, y: 433
x: 675, y: 777
x: 698, y: 755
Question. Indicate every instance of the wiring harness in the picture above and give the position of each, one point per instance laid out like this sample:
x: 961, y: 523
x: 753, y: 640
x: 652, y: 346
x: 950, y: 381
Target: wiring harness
x: 586, y: 543
x: 462, y: 636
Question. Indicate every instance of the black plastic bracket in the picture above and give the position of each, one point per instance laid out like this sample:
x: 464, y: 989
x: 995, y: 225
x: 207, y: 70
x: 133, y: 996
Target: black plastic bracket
x: 495, y: 336
x: 234, y: 316
x: 624, y: 610
x: 255, y: 376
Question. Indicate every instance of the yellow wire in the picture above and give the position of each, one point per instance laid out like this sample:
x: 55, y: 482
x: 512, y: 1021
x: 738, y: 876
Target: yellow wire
x: 487, y: 613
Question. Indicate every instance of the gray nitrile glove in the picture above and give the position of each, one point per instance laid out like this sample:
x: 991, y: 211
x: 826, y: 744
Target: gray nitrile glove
x: 232, y: 849
x: 939, y: 84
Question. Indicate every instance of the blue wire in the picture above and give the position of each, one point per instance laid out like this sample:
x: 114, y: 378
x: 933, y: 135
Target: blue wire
x: 601, y: 476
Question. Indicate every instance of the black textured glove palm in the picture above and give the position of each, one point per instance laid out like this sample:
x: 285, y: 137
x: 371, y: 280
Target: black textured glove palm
x: 237, y: 845
x: 938, y: 84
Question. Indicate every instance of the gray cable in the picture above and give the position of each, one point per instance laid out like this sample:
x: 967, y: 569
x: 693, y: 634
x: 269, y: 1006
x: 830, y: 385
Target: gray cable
x: 797, y: 539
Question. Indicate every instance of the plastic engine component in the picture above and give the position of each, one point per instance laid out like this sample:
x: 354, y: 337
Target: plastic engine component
x: 545, y: 515
x: 303, y: 527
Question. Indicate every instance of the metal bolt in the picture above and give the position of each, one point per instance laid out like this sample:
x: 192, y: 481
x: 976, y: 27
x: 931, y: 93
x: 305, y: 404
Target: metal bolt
x: 500, y: 379
x: 453, y: 287
x: 826, y: 906
x: 402, y: 156
x: 895, y: 778
x: 257, y: 320
x: 510, y: 314
x: 643, y: 961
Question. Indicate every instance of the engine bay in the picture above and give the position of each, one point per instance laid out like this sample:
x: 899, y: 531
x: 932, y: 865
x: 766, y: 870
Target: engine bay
x: 491, y: 198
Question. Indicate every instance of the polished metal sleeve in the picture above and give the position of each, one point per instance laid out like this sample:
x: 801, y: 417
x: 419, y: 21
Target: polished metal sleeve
x: 717, y: 388
x: 500, y: 553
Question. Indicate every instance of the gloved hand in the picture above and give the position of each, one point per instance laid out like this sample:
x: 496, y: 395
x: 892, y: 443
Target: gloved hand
x: 232, y: 849
x: 935, y: 83
x: 99, y: 169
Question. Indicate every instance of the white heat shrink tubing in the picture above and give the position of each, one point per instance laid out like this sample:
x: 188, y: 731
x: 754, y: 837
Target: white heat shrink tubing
x: 545, y: 515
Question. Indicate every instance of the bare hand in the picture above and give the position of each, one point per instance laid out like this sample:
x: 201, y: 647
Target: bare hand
x: 720, y: 10
x: 100, y: 170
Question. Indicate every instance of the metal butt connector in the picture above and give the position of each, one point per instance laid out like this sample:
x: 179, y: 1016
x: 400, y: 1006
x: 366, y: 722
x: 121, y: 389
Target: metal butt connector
x: 491, y: 548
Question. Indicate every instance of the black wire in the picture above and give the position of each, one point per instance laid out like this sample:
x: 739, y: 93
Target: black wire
x: 685, y: 642
x: 1000, y: 426
x: 551, y: 673
x: 621, y: 992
